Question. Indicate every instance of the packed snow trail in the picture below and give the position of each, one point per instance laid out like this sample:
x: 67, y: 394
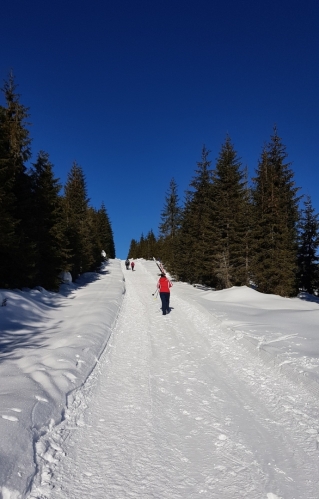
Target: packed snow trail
x: 178, y: 409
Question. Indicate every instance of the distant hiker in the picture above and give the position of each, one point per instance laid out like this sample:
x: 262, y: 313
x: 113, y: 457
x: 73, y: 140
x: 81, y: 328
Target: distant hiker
x: 163, y: 287
x: 127, y: 264
x: 132, y: 265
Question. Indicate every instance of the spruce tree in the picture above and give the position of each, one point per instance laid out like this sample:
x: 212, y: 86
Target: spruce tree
x: 308, y: 244
x: 171, y: 213
x: 141, y: 248
x: 106, y: 232
x: 182, y: 268
x: 150, y: 245
x: 275, y: 207
x: 95, y: 234
x: 196, y: 236
x: 7, y: 220
x: 132, y: 249
x: 18, y: 251
x: 231, y: 223
x: 144, y: 248
x: 101, y: 236
x: 170, y: 224
x: 75, y: 205
x: 48, y: 233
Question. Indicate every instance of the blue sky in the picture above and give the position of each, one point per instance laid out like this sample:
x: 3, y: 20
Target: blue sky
x: 132, y: 89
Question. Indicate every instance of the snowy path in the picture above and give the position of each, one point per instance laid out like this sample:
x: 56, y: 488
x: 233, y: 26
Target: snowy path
x: 178, y: 409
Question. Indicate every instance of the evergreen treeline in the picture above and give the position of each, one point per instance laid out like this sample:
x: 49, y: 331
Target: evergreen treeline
x: 229, y: 233
x: 42, y: 232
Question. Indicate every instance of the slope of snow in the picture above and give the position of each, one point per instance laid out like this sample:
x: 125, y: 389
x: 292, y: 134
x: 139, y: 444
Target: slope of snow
x: 287, y: 329
x: 49, y: 345
x: 218, y: 399
x: 179, y: 407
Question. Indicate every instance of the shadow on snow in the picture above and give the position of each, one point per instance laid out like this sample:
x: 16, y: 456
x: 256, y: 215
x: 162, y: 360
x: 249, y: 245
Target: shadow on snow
x: 25, y: 309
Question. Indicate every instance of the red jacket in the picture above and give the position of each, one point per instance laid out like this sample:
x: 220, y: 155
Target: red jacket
x: 164, y: 284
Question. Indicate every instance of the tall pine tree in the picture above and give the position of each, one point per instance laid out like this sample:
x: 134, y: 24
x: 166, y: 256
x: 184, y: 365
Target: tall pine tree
x: 106, y: 232
x: 231, y: 223
x: 7, y: 220
x: 150, y: 245
x: 275, y: 206
x: 132, y: 249
x: 78, y: 233
x: 308, y: 244
x: 102, y: 242
x: 48, y: 229
x: 17, y: 252
x: 170, y: 225
x: 196, y: 236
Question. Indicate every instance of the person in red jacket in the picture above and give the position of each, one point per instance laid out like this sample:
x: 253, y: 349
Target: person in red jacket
x: 163, y: 287
x: 132, y: 265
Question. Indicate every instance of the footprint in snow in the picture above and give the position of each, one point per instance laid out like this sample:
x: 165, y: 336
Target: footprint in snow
x: 9, y: 418
x: 312, y: 431
x: 70, y: 376
x: 222, y: 437
x: 40, y: 399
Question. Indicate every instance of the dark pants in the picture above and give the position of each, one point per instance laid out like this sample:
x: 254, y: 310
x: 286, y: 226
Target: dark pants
x: 165, y: 302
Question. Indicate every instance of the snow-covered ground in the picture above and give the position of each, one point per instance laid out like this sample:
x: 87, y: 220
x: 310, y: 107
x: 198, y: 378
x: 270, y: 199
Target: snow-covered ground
x: 103, y: 397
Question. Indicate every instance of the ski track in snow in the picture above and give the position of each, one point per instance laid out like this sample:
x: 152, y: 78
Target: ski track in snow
x: 177, y: 408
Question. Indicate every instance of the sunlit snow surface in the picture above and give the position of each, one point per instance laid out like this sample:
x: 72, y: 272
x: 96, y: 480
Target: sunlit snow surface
x: 218, y: 399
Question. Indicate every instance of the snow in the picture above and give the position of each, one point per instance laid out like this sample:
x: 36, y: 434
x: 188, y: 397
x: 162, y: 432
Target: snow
x: 102, y: 396
x: 49, y: 345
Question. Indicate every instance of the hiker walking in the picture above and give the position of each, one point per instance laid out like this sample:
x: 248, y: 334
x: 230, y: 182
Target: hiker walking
x: 132, y: 265
x: 163, y: 287
x: 127, y: 264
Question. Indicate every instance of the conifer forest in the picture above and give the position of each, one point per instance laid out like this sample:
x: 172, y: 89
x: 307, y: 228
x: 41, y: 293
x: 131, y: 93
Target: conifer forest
x: 230, y: 231
x: 43, y: 232
x: 227, y: 231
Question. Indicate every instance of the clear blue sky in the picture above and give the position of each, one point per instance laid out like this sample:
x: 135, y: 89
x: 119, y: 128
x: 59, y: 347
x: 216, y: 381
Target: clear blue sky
x: 132, y: 89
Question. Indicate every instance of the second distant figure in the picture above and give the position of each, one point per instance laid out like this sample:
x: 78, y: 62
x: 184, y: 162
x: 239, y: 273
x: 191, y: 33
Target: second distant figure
x: 132, y: 265
x: 164, y: 286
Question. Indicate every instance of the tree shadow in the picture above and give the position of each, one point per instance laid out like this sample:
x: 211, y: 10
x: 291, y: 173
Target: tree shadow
x: 308, y: 297
x: 203, y: 287
x: 82, y: 281
x: 11, y: 342
x: 22, y: 325
x: 23, y: 317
